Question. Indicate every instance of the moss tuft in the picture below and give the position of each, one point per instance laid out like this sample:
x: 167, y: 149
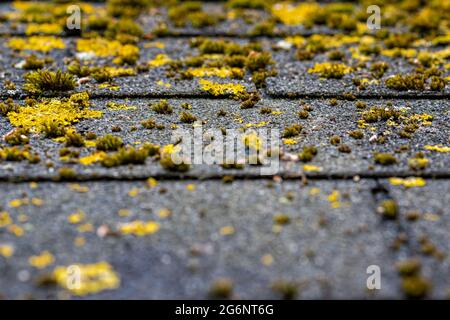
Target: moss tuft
x: 292, y: 131
x: 109, y: 143
x: 41, y: 81
x: 385, y: 159
x: 162, y: 107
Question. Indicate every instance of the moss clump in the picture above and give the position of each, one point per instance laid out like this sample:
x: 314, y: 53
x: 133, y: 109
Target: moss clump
x: 385, y: 159
x: 287, y: 289
x: 67, y: 174
x: 221, y: 288
x: 18, y: 136
x: 336, y: 55
x: 53, y: 128
x: 43, y: 80
x: 376, y: 114
x: 18, y: 154
x: 378, y: 69
x: 125, y: 156
x: 335, y: 140
x: 330, y: 70
x: 149, y: 123
x: 213, y: 46
x: 74, y: 139
x: 126, y: 8
x: 187, y: 117
x: 8, y: 106
x: 307, y: 154
x: 344, y: 148
x: 162, y: 107
x: 281, y: 219
x: 356, y: 134
x: 171, y: 160
x: 258, y: 61
x: 416, y: 287
x: 251, y: 101
x: 333, y: 102
x: 304, y: 54
x: 109, y: 143
x: 406, y: 82
x: 388, y: 209
x: 437, y: 83
x: 292, y: 131
x: 361, y: 104
x: 33, y: 63
x: 303, y: 114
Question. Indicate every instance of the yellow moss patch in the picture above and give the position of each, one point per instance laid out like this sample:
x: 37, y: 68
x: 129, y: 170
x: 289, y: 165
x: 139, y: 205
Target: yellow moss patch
x: 92, y: 278
x: 63, y: 111
x: 252, y: 140
x: 334, y: 199
x: 43, y: 28
x: 159, y: 60
x: 41, y: 261
x: 438, y: 148
x: 76, y: 217
x: 139, y: 228
x: 163, y: 84
x: 218, y: 89
x: 120, y: 72
x: 36, y: 43
x: 398, y: 52
x: 289, y: 141
x: 226, y: 231
x: 408, y: 182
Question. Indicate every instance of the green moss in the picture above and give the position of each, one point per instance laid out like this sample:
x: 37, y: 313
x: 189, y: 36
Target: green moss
x: 66, y: 174
x: 437, y: 83
x: 292, y: 131
x: 336, y: 55
x: 18, y: 136
x: 416, y: 286
x: 251, y: 101
x: 376, y: 114
x: 109, y: 143
x: 388, y: 209
x: 8, y: 106
x: 356, y: 134
x: 162, y: 107
x: 53, y: 128
x: 101, y: 75
x: 404, y: 40
x: 43, y: 80
x: 213, y: 46
x: 149, y: 123
x: 221, y: 288
x: 74, y: 139
x: 344, y: 148
x: 187, y: 117
x: 258, y: 61
x: 264, y: 28
x: 125, y: 156
x: 281, y: 219
x: 378, y: 69
x: 335, y: 140
x: 186, y: 106
x: 385, y: 159
x: 406, y: 82
x: 303, y: 114
x: 307, y: 154
x: 80, y: 71
x: 287, y: 289
x: 32, y: 62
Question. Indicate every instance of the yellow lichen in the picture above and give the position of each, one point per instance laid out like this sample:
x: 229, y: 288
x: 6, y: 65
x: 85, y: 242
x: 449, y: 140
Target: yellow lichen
x: 5, y: 219
x: 92, y: 158
x: 43, y: 28
x: 41, y: 261
x: 76, y: 217
x: 159, y: 60
x: 408, y: 182
x: 36, y: 43
x: 293, y: 15
x: 219, y: 89
x: 6, y: 250
x: 86, y: 279
x: 438, y: 148
x: 330, y: 69
x: 139, y: 228
x: 223, y: 72
x: 311, y: 168
x: 62, y: 111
